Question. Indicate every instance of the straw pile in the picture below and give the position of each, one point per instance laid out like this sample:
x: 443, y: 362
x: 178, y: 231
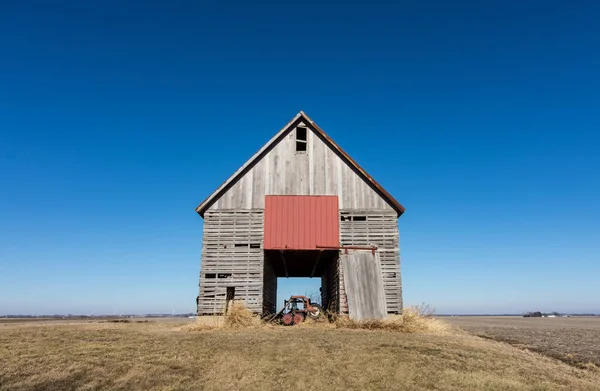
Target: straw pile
x: 416, y: 320
x: 413, y: 320
x: 238, y: 316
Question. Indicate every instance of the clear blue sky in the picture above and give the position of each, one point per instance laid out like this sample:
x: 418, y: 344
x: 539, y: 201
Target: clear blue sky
x: 117, y: 118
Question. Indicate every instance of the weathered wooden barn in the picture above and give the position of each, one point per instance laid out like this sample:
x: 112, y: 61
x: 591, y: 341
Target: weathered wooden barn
x: 293, y: 210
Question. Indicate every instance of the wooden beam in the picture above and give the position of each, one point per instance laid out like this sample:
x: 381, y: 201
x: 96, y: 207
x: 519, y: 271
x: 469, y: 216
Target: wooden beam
x: 312, y: 273
x: 284, y: 263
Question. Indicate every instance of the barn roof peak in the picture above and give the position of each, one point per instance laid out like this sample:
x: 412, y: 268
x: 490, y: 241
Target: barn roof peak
x: 300, y: 117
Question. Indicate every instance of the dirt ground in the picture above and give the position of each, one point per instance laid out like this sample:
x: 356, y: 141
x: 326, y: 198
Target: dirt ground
x: 160, y: 356
x: 575, y: 340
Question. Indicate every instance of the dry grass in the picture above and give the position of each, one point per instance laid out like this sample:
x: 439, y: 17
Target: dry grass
x: 152, y: 356
x: 412, y: 321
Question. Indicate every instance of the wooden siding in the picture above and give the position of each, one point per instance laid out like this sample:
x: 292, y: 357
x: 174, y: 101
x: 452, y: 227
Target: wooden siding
x: 379, y: 228
x: 318, y: 171
x: 232, y: 256
x: 244, y: 267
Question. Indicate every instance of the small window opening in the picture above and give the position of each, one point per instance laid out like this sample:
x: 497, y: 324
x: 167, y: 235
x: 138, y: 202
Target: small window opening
x: 300, y: 146
x: 241, y: 245
x: 210, y: 275
x: 254, y: 245
x: 301, y: 139
x: 224, y: 275
x: 301, y: 134
x: 359, y: 218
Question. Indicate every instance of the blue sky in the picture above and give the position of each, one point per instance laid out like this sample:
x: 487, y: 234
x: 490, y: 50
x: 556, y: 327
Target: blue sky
x: 118, y: 118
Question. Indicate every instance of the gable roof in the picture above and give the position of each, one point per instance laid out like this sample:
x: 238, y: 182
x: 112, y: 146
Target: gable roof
x: 301, y: 116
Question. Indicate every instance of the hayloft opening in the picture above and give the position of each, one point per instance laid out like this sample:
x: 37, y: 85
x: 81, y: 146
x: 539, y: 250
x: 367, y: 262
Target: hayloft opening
x: 301, y: 139
x: 301, y: 134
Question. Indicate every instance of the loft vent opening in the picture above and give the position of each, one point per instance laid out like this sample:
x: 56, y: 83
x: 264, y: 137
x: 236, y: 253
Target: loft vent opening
x: 301, y: 134
x: 353, y: 218
x: 246, y: 245
x: 301, y: 139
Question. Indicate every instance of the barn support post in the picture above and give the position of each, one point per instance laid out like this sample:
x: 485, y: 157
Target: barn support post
x: 284, y: 263
x: 312, y: 273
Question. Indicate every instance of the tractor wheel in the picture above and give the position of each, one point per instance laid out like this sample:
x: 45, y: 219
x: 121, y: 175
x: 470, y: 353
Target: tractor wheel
x: 298, y: 318
x: 317, y: 311
x: 287, y: 319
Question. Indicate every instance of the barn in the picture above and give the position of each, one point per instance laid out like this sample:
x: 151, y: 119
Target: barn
x: 301, y: 207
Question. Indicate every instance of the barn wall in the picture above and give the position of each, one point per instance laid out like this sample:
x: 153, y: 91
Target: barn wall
x: 232, y: 256
x: 379, y: 228
x: 244, y: 267
x: 283, y: 171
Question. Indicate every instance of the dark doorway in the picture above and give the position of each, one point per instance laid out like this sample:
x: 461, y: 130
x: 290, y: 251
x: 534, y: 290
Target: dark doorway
x: 229, y: 297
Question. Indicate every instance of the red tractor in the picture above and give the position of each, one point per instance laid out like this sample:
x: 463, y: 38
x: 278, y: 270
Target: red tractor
x: 296, y: 309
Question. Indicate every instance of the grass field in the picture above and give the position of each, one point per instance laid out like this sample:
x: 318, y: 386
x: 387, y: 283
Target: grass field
x: 159, y: 356
x: 574, y: 340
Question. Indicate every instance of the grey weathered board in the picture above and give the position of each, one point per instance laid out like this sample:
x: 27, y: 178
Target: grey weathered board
x: 364, y: 285
x: 381, y: 230
x: 318, y: 171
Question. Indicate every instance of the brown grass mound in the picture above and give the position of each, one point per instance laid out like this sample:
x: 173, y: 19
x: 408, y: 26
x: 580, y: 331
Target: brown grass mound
x: 321, y: 323
x: 412, y: 321
x: 197, y: 326
x: 237, y: 317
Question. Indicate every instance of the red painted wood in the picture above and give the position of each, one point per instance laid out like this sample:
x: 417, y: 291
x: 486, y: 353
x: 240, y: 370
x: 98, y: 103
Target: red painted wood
x: 301, y: 222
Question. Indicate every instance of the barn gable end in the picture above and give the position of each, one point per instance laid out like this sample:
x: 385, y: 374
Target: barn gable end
x: 279, y: 169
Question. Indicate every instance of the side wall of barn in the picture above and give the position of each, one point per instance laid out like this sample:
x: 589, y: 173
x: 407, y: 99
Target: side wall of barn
x: 232, y: 256
x: 379, y: 228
